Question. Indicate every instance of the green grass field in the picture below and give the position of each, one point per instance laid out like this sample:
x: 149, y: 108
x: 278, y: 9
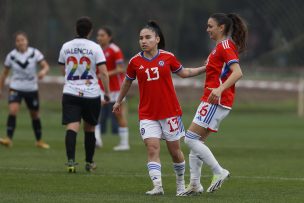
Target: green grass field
x: 262, y: 146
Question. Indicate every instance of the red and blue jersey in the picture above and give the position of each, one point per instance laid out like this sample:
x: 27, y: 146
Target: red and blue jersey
x: 218, y: 70
x: 113, y: 56
x: 158, y: 99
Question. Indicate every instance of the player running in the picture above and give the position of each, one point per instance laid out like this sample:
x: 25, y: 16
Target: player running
x: 115, y: 65
x: 81, y: 93
x: 23, y: 62
x: 229, y: 32
x: 159, y: 110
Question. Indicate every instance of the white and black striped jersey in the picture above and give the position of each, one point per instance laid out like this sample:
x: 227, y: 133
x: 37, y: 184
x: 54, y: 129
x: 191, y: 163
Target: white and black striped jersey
x: 80, y: 57
x: 24, y: 68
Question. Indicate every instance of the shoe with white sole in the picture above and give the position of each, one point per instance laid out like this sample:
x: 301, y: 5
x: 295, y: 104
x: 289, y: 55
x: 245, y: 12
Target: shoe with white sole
x: 218, y: 180
x: 180, y: 188
x: 121, y: 148
x: 157, y: 190
x: 192, y: 190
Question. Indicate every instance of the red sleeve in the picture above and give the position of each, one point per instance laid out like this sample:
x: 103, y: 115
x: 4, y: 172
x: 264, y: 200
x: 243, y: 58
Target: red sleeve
x: 175, y: 65
x: 131, y: 71
x: 229, y: 55
x: 119, y: 58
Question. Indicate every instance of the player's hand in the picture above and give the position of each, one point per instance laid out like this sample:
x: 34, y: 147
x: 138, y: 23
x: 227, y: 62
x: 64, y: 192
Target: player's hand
x: 214, y: 95
x: 106, y: 98
x: 116, y: 107
x: 41, y: 75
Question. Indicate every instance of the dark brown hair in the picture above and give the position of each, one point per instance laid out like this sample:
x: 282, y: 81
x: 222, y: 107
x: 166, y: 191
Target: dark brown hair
x: 235, y: 26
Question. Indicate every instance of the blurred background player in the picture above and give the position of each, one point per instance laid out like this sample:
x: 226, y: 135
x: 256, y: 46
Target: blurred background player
x: 115, y: 66
x: 159, y: 110
x: 81, y: 93
x: 23, y: 62
x: 229, y: 32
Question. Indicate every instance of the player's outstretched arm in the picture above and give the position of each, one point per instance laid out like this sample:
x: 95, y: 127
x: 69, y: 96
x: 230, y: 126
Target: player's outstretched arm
x: 191, y: 72
x: 123, y: 92
x: 3, y: 76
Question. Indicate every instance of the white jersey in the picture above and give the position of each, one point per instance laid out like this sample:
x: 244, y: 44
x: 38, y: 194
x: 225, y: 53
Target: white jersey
x: 80, y: 57
x: 24, y: 68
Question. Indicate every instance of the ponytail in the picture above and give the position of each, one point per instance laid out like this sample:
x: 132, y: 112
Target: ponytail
x: 239, y: 31
x: 152, y: 25
x: 235, y: 27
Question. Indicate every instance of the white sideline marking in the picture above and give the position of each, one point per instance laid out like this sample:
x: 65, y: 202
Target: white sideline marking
x: 164, y: 175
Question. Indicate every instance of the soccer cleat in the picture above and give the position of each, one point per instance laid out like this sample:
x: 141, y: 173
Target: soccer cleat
x: 180, y: 188
x: 41, y: 144
x: 7, y: 142
x: 192, y: 190
x: 157, y: 190
x: 218, y: 180
x: 90, y: 167
x: 121, y: 147
x: 71, y: 166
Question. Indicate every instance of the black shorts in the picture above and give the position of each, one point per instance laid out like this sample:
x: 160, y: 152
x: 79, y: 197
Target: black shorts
x: 74, y: 108
x: 31, y: 98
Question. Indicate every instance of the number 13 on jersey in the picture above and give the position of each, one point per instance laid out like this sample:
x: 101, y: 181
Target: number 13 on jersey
x: 152, y: 74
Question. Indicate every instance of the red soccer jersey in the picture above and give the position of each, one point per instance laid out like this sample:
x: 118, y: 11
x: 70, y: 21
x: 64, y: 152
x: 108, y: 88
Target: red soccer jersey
x: 217, y: 71
x: 113, y: 56
x: 158, y: 99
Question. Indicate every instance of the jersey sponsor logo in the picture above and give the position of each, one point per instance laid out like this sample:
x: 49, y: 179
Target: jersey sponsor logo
x: 161, y: 63
x: 142, y: 131
x: 141, y: 67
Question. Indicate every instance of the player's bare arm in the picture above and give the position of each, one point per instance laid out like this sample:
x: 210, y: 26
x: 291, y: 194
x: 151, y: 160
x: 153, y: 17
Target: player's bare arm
x: 191, y: 72
x: 44, y: 69
x: 119, y: 69
x: 123, y: 92
x: 103, y: 75
x: 233, y: 78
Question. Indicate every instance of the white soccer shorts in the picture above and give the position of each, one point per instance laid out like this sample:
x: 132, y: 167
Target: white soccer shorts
x: 209, y: 116
x: 170, y: 129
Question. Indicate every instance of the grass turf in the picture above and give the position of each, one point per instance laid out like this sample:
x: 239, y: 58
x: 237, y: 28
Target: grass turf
x: 262, y: 148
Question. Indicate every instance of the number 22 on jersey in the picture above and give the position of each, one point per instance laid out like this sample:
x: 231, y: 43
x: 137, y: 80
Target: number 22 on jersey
x: 85, y: 75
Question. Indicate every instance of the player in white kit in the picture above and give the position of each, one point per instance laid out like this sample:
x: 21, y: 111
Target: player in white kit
x: 81, y: 93
x: 23, y: 62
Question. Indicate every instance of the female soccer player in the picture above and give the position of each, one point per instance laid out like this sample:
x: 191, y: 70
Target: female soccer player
x: 23, y: 61
x: 159, y: 110
x: 229, y: 32
x: 115, y: 65
x: 81, y: 93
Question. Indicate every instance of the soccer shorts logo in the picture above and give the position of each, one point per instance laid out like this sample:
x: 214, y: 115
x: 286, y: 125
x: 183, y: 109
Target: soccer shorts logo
x: 142, y: 131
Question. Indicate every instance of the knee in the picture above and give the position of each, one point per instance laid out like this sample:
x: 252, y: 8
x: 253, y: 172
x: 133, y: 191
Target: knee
x: 177, y: 156
x: 153, y: 150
